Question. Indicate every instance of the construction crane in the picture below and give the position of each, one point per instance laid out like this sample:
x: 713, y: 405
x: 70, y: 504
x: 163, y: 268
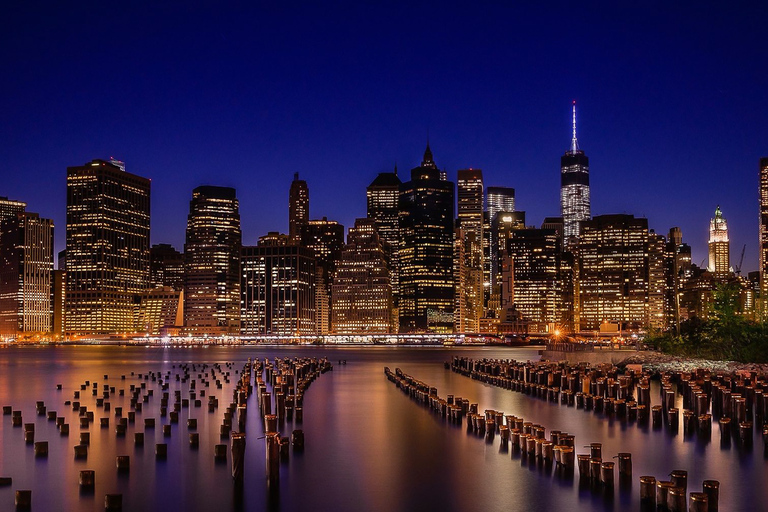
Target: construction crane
x: 737, y: 269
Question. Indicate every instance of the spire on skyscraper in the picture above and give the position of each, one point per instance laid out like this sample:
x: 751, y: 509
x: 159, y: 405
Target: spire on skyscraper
x: 574, y: 141
x: 428, y: 160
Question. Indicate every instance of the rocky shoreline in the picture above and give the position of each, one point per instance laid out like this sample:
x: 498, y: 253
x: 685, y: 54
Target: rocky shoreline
x: 660, y: 362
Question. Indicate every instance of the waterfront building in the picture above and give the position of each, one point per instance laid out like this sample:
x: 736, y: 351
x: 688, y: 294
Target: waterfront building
x: 166, y: 267
x: 575, y: 205
x: 362, y: 290
x: 426, y: 206
x: 26, y: 265
x: 468, y: 281
x: 159, y: 311
x: 277, y: 290
x: 107, y: 258
x: 763, y: 235
x: 382, y: 200
x: 470, y: 219
x: 678, y: 272
x: 298, y: 208
x: 658, y: 303
x: 613, y: 273
x: 538, y: 283
x: 719, y: 245
x: 504, y: 224
x: 325, y: 238
x: 212, y: 262
x: 58, y: 291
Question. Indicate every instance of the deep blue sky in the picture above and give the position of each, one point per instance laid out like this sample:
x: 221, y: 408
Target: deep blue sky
x: 673, y: 103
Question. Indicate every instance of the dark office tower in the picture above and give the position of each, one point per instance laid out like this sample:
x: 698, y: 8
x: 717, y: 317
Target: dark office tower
x: 500, y: 199
x: 575, y: 206
x: 107, y: 260
x: 274, y: 239
x: 298, y: 208
x: 764, y: 235
x: 538, y: 287
x: 9, y: 208
x: 277, y: 290
x: 325, y: 238
x: 503, y: 226
x: 382, y: 195
x: 26, y: 264
x: 212, y: 262
x: 425, y: 253
x: 166, y: 267
x: 362, y: 292
x: 613, y: 273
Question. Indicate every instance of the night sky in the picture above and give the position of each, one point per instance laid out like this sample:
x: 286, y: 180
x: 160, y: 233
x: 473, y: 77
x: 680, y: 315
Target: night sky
x: 672, y: 104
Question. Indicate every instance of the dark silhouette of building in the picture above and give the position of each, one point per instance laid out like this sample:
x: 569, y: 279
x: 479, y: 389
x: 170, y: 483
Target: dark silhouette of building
x: 212, y: 262
x: 107, y: 259
x: 298, y: 208
x: 425, y: 253
x: 166, y: 267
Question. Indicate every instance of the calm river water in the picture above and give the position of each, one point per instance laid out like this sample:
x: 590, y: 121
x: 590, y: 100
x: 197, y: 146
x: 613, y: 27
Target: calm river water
x: 368, y: 446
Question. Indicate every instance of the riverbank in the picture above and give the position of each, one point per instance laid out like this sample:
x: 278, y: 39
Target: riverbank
x: 652, y: 361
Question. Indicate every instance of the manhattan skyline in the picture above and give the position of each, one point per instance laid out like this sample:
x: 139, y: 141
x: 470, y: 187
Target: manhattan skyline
x: 670, y: 104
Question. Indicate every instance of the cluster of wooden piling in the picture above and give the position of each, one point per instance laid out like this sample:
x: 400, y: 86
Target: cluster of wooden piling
x: 516, y: 435
x: 736, y: 401
x: 672, y: 495
x: 529, y: 441
x: 289, y: 378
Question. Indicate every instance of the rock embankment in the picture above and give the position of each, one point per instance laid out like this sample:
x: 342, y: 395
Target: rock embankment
x: 660, y: 362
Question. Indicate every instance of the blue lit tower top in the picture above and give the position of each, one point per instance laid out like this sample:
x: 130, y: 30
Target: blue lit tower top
x: 575, y: 204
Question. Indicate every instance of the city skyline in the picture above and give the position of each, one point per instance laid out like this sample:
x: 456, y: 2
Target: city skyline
x: 672, y: 126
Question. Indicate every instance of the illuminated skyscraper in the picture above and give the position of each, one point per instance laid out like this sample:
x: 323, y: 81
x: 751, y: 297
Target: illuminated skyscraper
x: 362, y: 292
x: 539, y: 287
x: 298, y: 208
x: 9, y: 208
x: 470, y: 233
x: 500, y: 199
x: 277, y: 290
x: 107, y: 260
x: 26, y: 265
x: 425, y: 253
x: 613, y: 272
x: 719, y: 245
x: 764, y: 233
x: 212, y: 262
x: 574, y: 187
x: 325, y: 238
x: 382, y: 198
